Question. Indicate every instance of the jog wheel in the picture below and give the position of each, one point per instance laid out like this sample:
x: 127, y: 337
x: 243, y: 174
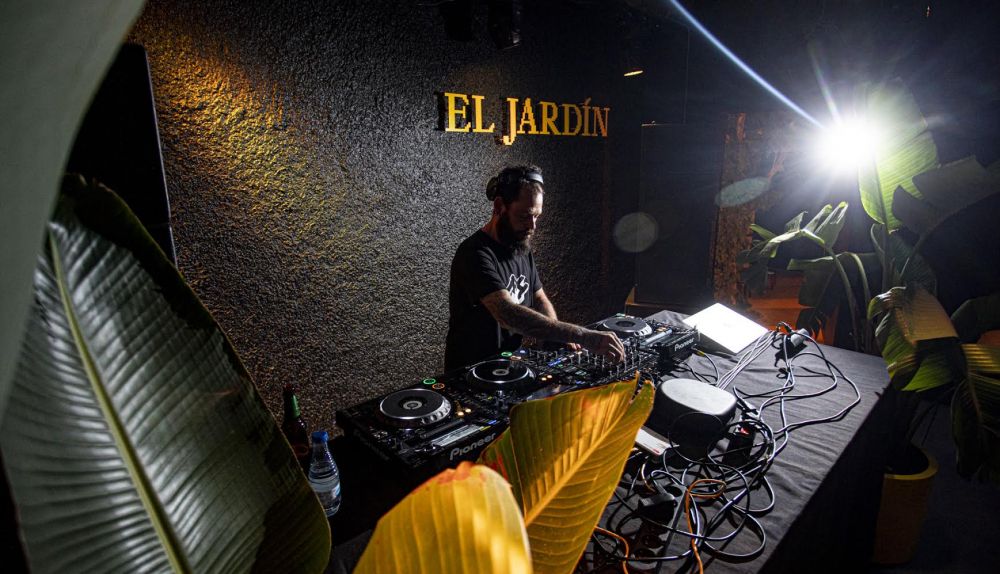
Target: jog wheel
x: 625, y: 326
x: 414, y: 408
x: 501, y: 375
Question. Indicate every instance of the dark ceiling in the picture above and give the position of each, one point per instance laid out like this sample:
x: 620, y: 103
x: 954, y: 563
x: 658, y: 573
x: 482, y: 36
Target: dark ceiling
x: 945, y: 51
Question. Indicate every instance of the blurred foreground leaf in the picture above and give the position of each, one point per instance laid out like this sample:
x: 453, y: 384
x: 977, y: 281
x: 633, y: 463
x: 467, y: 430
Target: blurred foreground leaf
x: 135, y: 440
x: 462, y: 520
x: 563, y: 457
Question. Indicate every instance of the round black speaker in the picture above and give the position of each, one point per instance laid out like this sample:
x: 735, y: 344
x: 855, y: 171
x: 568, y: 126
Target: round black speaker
x: 692, y: 414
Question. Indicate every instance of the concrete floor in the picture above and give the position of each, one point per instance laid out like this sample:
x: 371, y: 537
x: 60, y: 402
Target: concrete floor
x: 961, y: 534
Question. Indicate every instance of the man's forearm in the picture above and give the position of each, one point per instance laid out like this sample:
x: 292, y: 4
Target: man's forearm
x: 534, y: 324
x: 531, y: 323
x: 544, y: 306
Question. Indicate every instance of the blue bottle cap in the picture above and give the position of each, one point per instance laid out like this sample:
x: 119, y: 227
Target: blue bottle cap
x: 320, y: 436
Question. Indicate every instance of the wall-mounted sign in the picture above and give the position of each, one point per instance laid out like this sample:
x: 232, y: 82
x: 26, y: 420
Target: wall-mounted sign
x: 465, y: 113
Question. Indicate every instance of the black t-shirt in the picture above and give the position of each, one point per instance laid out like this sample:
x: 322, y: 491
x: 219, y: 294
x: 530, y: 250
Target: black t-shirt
x: 480, y: 267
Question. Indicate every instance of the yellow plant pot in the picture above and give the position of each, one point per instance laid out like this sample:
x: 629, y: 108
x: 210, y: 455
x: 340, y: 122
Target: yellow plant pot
x: 901, y: 513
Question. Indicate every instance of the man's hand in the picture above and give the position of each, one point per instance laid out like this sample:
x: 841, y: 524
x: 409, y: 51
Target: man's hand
x: 604, y: 343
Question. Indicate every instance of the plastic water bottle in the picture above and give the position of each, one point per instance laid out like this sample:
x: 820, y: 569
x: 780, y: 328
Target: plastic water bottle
x: 323, y: 474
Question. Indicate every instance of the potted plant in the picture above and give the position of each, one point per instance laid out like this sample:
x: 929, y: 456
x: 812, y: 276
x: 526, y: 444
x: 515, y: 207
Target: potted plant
x: 934, y: 239
x: 832, y: 283
x: 934, y: 247
x: 929, y: 352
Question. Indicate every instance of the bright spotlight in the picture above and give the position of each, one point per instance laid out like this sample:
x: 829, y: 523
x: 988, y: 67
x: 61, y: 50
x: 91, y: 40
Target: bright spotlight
x: 847, y: 145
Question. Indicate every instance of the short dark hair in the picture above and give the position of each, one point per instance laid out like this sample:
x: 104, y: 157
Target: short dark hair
x: 507, y: 184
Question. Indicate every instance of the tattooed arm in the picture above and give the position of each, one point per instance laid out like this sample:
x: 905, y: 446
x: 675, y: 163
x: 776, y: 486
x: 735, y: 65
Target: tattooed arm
x: 543, y: 305
x: 531, y: 323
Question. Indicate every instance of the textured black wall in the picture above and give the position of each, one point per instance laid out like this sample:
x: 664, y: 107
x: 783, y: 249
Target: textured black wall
x: 316, y: 203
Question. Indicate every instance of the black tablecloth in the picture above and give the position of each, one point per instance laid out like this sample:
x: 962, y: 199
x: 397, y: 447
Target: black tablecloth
x: 826, y: 482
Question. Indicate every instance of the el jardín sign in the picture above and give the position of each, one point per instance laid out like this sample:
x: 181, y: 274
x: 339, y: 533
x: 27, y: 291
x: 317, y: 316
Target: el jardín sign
x: 465, y: 113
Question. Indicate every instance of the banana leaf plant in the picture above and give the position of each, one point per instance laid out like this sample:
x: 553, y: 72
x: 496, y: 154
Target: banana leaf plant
x: 933, y: 226
x: 924, y: 348
x: 828, y: 280
x: 924, y: 351
x: 134, y: 439
x: 906, y: 149
x: 924, y: 239
x: 560, y: 461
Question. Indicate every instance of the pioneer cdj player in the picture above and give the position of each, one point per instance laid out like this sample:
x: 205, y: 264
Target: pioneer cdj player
x: 439, y: 421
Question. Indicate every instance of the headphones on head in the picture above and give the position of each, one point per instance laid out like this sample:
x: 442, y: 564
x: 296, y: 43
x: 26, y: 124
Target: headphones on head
x: 510, y: 181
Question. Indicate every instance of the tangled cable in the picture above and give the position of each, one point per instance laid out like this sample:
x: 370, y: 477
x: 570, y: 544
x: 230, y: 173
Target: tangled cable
x: 725, y: 493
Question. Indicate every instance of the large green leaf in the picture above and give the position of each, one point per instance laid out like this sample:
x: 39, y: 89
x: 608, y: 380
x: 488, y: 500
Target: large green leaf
x: 53, y: 55
x: 135, y: 440
x: 822, y: 229
x: 826, y: 224
x: 944, y: 191
x: 937, y: 365
x: 953, y: 220
x: 563, y: 457
x: 918, y: 341
x: 820, y: 271
x: 762, y: 231
x: 906, y: 149
x: 923, y: 352
x: 822, y: 291
x: 982, y: 359
x: 462, y: 520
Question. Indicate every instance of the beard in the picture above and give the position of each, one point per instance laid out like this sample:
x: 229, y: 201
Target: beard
x: 518, y: 241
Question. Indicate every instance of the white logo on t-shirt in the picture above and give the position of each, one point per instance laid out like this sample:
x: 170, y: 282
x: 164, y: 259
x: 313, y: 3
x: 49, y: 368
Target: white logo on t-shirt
x: 517, y: 287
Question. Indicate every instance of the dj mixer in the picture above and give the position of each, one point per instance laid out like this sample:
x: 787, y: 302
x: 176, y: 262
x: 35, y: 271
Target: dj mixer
x: 441, y: 420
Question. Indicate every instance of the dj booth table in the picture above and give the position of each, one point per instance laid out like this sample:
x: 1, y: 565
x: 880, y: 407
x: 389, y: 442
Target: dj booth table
x: 826, y: 482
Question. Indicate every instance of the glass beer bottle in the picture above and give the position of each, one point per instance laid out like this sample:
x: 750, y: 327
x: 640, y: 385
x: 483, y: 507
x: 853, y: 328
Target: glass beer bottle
x: 294, y: 427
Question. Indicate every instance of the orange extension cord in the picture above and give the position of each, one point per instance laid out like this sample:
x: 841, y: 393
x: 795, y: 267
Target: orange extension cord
x: 688, y: 495
x: 620, y: 539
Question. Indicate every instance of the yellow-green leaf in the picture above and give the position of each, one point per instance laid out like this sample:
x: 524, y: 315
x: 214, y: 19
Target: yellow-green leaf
x: 563, y: 457
x: 907, y: 149
x: 934, y: 371
x: 916, y: 314
x: 917, y: 339
x: 463, y: 520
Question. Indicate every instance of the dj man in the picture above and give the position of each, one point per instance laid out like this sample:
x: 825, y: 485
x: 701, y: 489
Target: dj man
x: 495, y: 296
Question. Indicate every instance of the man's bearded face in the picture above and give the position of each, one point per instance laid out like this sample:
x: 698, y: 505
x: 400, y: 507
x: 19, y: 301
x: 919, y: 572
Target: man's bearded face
x: 519, y: 219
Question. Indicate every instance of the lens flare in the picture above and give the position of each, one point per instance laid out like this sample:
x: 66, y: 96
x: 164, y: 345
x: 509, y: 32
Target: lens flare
x: 636, y: 232
x: 847, y: 145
